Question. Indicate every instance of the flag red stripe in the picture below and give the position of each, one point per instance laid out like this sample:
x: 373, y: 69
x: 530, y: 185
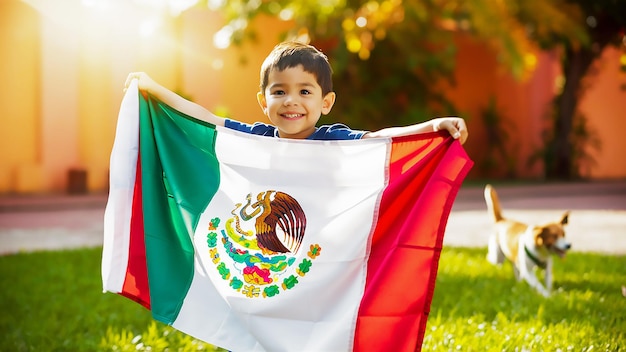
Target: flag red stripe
x: 136, y: 281
x: 406, y: 243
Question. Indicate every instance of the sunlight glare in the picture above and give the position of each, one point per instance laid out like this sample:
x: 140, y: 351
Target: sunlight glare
x: 96, y: 4
x: 215, y: 4
x: 221, y: 39
x: 361, y: 21
x: 65, y: 14
x: 149, y: 27
x: 286, y: 14
x: 179, y: 6
x: 175, y: 7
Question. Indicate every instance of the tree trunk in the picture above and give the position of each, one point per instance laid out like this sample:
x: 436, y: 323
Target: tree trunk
x: 576, y: 64
x: 574, y: 68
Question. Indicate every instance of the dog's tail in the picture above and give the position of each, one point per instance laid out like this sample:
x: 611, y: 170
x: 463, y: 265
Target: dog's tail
x: 493, y: 203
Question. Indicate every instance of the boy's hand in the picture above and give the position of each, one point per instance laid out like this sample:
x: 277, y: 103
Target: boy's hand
x: 144, y: 82
x: 454, y: 125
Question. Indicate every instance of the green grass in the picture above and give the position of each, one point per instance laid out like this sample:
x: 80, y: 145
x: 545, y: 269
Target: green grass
x: 53, y: 301
x: 480, y: 307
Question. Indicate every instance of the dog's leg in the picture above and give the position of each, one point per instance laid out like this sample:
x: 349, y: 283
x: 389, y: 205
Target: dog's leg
x: 534, y: 282
x: 548, y: 275
x: 518, y: 277
x: 494, y: 252
x: 526, y: 271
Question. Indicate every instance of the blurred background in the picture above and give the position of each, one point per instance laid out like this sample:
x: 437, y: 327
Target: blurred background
x: 541, y: 83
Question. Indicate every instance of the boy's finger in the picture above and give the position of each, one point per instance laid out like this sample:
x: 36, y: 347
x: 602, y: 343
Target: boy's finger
x: 452, y: 129
x: 462, y: 136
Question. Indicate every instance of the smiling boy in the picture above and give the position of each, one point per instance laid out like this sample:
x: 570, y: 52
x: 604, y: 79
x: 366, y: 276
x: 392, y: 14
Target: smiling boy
x: 295, y: 91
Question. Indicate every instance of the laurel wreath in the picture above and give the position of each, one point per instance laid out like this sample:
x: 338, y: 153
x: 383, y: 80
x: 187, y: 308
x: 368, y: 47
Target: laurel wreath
x: 249, y: 289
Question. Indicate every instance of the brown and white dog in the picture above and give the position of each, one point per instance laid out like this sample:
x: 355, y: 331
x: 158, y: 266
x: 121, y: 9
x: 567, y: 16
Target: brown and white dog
x: 525, y: 246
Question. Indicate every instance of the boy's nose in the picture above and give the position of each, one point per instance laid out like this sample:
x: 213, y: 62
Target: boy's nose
x: 291, y: 100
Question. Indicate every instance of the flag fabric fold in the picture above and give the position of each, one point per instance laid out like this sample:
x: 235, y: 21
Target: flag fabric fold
x: 253, y: 243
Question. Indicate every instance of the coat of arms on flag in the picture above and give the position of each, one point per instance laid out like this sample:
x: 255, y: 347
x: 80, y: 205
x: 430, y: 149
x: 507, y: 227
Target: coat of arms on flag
x: 254, y: 243
x: 253, y: 249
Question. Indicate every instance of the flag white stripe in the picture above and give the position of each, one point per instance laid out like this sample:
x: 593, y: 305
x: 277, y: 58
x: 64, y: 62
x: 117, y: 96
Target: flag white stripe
x: 334, y: 182
x: 122, y: 181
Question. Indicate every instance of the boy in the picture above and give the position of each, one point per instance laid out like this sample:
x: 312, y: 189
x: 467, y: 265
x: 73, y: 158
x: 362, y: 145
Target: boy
x: 295, y: 90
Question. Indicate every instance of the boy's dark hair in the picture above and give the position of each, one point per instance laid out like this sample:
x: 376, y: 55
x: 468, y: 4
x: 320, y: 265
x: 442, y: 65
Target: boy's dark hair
x: 291, y: 54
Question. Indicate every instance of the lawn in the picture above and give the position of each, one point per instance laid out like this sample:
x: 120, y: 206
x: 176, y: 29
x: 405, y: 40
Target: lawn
x: 53, y: 301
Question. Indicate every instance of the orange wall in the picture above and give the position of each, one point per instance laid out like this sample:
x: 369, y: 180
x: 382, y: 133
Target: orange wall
x: 20, y: 152
x: 525, y: 103
x: 59, y: 103
x: 605, y: 107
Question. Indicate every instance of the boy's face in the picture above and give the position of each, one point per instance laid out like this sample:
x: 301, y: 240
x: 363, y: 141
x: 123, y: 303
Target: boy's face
x: 293, y: 102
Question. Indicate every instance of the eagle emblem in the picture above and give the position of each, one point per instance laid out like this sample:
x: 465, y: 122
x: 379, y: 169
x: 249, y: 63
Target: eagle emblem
x: 257, y: 248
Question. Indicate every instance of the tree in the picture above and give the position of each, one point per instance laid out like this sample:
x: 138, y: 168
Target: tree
x: 387, y: 53
x: 603, y: 23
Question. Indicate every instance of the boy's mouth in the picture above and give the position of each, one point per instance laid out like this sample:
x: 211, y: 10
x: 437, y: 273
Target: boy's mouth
x: 292, y: 116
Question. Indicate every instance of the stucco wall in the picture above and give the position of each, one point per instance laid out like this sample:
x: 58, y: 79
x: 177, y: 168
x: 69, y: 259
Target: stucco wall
x: 20, y: 135
x: 604, y: 105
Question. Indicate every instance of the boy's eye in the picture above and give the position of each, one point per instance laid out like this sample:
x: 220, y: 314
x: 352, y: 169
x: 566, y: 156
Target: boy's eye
x: 278, y: 92
x: 305, y: 92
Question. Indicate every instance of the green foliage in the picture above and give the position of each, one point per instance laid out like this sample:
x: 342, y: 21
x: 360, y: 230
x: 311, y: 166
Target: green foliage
x: 551, y: 23
x: 384, y: 93
x: 53, y: 301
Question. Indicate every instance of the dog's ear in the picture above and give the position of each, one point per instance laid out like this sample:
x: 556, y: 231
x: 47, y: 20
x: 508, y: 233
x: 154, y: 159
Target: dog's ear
x: 538, y: 234
x: 564, y: 218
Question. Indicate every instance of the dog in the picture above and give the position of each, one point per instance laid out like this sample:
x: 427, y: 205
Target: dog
x: 526, y: 247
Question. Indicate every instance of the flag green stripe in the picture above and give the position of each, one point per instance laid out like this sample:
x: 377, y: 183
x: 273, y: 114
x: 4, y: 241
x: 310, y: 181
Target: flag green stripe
x: 180, y: 175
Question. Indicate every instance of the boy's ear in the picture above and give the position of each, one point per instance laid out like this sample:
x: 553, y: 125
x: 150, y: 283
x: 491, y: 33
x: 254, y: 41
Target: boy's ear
x: 260, y: 97
x: 328, y: 102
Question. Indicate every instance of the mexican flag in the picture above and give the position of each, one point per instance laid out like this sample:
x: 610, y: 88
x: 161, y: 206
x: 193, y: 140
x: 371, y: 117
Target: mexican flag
x: 254, y: 243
